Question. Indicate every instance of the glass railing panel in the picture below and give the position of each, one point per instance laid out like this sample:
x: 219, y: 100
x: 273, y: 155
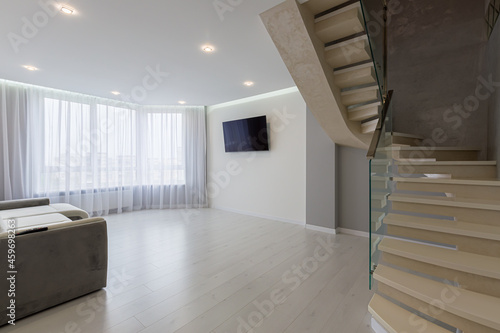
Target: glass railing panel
x: 373, y: 14
x: 381, y: 167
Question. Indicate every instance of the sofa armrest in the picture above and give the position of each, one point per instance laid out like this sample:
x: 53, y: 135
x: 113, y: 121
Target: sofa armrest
x: 55, y: 266
x: 23, y: 203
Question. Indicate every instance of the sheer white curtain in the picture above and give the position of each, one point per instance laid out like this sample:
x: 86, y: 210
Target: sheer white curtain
x: 100, y: 155
x: 13, y: 141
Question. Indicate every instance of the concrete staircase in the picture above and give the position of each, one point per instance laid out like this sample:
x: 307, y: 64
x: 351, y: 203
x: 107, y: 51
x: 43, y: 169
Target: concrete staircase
x: 327, y: 51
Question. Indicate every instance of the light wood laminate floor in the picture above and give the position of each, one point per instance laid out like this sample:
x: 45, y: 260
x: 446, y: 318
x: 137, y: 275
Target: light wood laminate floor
x: 207, y: 270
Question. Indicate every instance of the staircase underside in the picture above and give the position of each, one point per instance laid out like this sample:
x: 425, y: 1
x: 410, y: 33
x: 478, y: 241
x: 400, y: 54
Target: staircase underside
x: 292, y: 27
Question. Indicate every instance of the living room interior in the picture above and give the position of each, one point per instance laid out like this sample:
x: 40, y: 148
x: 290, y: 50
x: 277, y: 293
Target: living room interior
x: 368, y: 200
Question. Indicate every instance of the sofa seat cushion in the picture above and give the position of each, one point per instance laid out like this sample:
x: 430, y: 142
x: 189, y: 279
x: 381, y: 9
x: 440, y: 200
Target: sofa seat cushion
x: 67, y: 210
x: 27, y: 211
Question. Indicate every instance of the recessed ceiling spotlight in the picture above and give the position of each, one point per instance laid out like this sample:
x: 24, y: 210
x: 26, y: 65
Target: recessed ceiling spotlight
x: 67, y: 10
x: 208, y: 48
x: 182, y: 102
x: 116, y: 93
x: 30, y: 68
x: 248, y: 83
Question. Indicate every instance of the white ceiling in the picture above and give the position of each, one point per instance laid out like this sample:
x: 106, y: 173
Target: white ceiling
x: 109, y: 44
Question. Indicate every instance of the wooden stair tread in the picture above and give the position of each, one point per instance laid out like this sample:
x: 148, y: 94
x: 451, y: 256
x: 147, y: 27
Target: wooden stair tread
x: 457, y: 260
x: 317, y: 7
x: 447, y: 201
x: 364, y: 106
x: 448, y: 163
x: 405, y: 135
x: 396, y: 319
x: 369, y: 126
x: 479, y: 308
x: 347, y: 42
x: 337, y: 10
x: 358, y: 90
x: 416, y: 148
x: 353, y: 68
x: 339, y: 24
x: 449, y: 181
x: 444, y: 226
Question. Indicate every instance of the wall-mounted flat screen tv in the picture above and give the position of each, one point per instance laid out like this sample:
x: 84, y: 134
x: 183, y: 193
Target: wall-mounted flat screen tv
x: 248, y: 134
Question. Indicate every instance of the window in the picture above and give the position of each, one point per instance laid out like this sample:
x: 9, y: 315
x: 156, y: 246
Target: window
x: 93, y: 147
x: 165, y: 153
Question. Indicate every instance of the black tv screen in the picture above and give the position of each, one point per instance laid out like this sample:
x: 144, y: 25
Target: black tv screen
x: 248, y: 134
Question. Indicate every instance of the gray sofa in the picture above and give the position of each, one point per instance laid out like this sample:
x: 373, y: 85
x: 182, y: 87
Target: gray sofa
x: 60, y: 254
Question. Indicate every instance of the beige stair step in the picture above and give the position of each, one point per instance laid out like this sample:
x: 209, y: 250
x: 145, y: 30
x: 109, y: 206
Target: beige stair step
x: 363, y: 112
x: 351, y: 51
x: 475, y: 307
x: 380, y: 166
x: 355, y: 76
x: 404, y: 138
x: 339, y: 24
x: 439, y: 153
x: 472, y: 263
x: 375, y: 242
x: 379, y: 182
x: 457, y: 169
x: 444, y: 226
x: 473, y: 210
x: 379, y: 200
x: 319, y: 6
x: 447, y: 201
x: 360, y: 95
x: 464, y: 188
x: 377, y: 219
x: 369, y: 127
x: 476, y: 238
x: 396, y: 319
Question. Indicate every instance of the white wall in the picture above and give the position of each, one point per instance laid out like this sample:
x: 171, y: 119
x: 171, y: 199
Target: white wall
x: 320, y: 188
x: 268, y: 184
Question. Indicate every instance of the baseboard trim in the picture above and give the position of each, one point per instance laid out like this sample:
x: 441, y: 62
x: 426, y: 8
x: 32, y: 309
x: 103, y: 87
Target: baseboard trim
x: 321, y: 229
x: 263, y: 216
x: 376, y: 327
x: 353, y: 232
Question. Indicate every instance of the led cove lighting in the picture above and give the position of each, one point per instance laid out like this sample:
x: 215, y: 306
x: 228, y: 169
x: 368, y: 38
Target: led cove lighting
x: 67, y: 10
x: 248, y: 83
x: 30, y: 68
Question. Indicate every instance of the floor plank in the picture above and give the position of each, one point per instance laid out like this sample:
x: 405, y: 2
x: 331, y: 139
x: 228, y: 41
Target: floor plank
x: 206, y: 270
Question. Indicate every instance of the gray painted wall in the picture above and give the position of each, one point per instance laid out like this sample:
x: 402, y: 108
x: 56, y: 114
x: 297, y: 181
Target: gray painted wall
x: 353, y: 188
x: 493, y: 68
x: 320, y: 175
x: 436, y: 52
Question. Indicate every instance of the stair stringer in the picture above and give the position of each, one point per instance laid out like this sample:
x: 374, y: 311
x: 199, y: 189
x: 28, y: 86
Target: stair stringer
x: 291, y: 28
